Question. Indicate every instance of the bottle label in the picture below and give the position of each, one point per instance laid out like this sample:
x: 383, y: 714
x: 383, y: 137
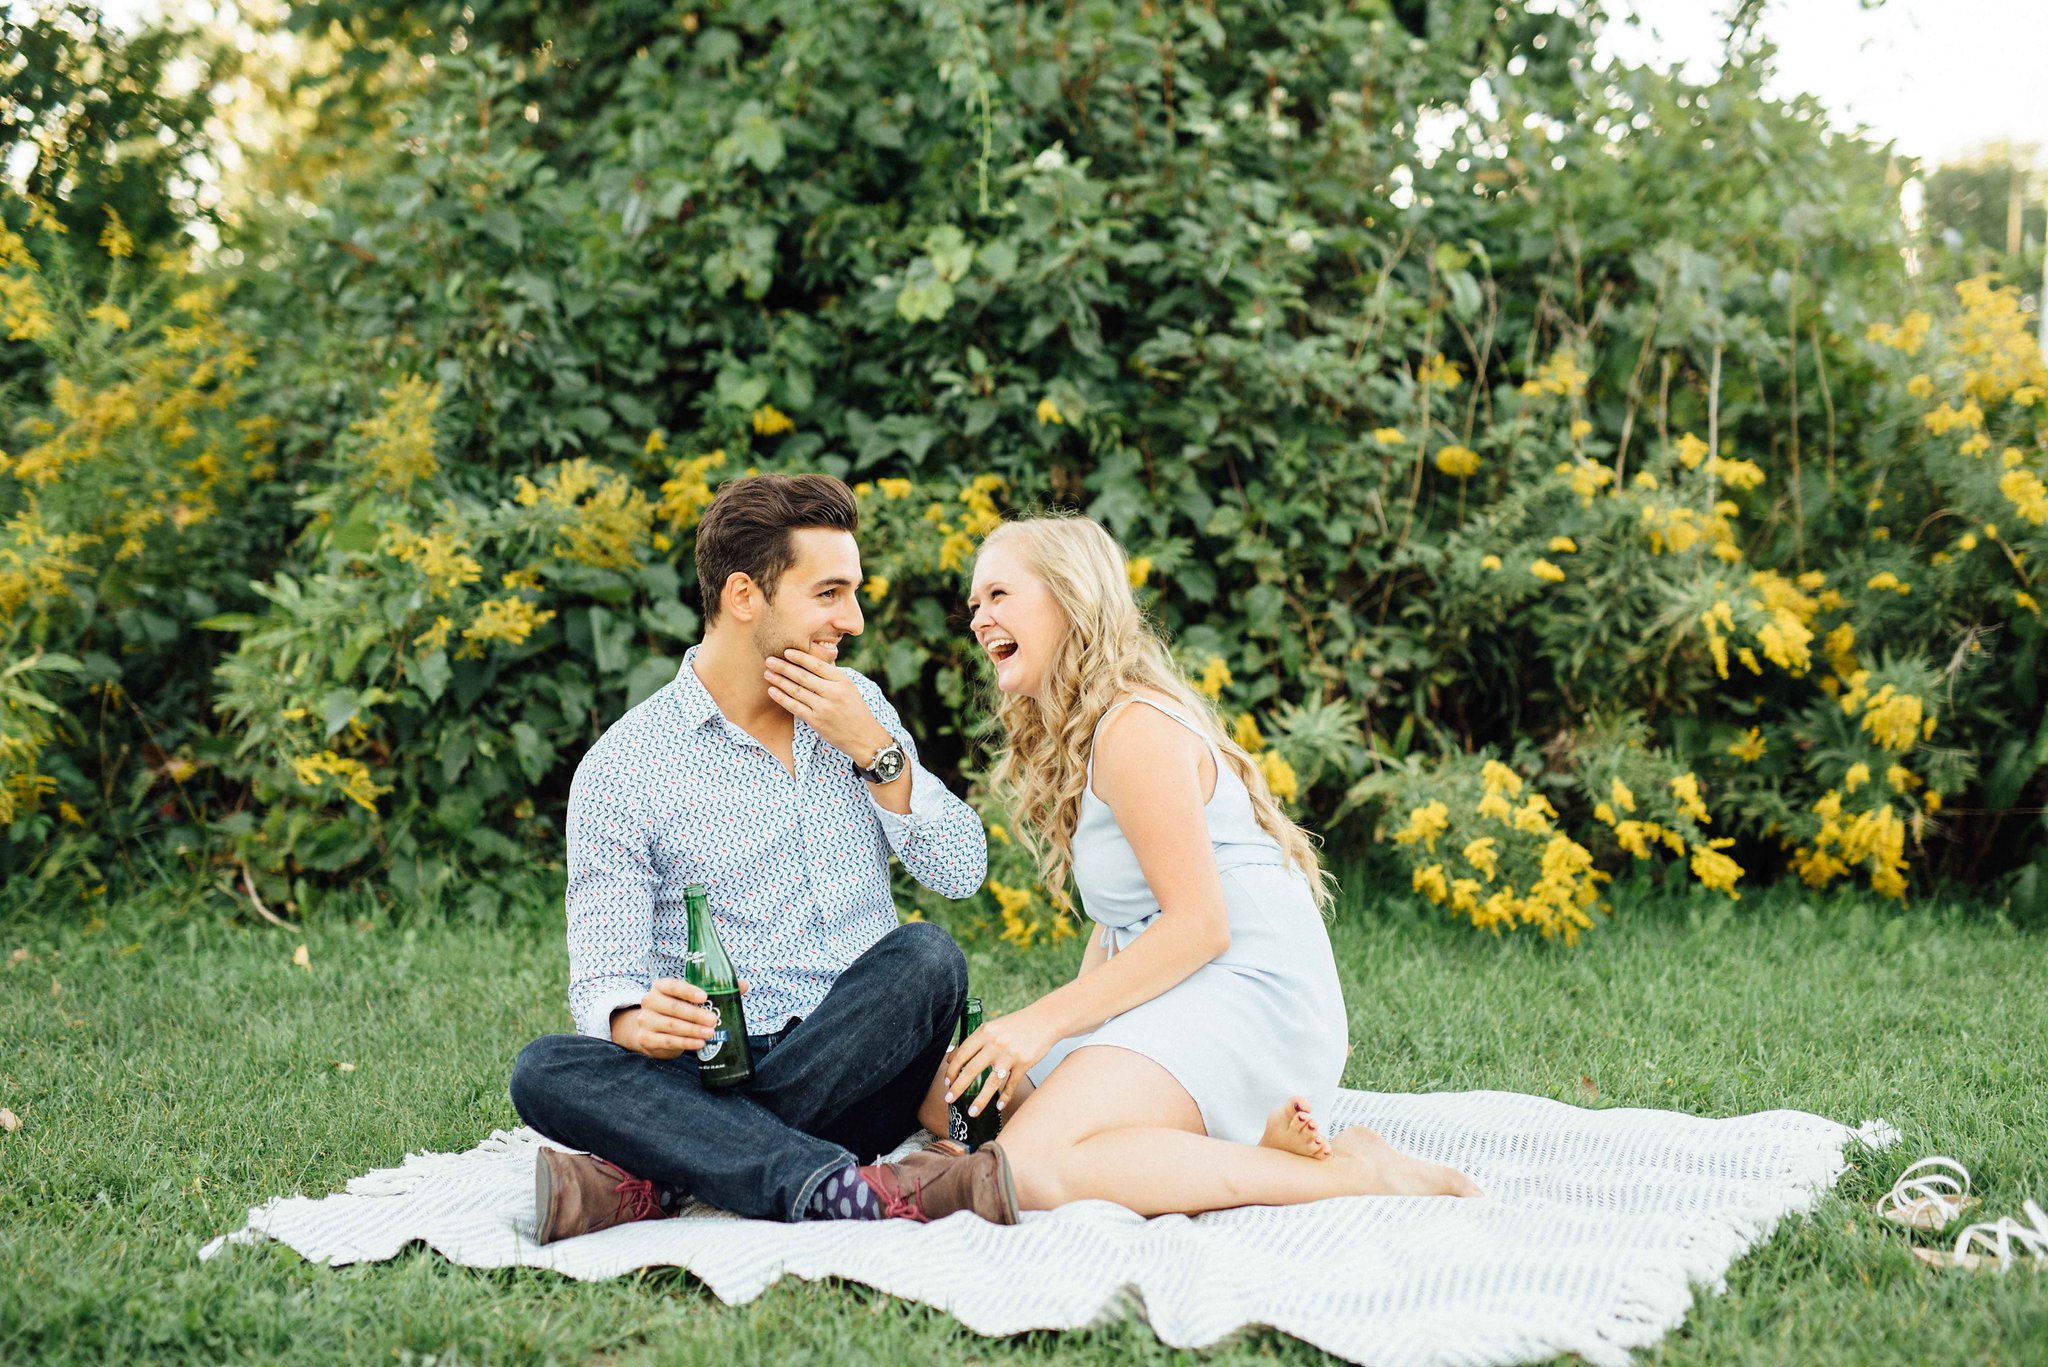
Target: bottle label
x: 956, y: 1124
x: 712, y: 1047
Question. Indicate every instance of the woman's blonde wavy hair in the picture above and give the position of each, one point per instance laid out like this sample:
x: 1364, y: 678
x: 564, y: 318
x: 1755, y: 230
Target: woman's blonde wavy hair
x: 1109, y: 652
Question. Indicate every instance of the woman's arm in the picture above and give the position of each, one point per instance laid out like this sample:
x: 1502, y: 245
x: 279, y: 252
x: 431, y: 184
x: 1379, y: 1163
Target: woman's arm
x: 1097, y: 953
x: 1155, y: 775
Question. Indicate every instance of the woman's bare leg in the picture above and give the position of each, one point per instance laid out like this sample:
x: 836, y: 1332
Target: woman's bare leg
x: 1113, y: 1125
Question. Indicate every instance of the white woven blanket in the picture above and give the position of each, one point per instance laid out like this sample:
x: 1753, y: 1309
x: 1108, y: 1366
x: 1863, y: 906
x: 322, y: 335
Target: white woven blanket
x: 1595, y: 1229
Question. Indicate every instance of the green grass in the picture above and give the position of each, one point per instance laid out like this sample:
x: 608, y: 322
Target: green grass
x: 172, y: 1069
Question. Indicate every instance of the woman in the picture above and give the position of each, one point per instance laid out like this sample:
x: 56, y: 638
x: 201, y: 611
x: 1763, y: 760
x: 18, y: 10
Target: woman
x: 1181, y: 1069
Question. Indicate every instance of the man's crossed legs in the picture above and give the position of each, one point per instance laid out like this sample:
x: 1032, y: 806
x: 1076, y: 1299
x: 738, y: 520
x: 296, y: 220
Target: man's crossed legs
x: 833, y: 1090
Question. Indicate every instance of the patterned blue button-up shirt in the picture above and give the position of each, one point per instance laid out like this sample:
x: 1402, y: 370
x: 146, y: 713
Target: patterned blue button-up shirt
x: 796, y: 866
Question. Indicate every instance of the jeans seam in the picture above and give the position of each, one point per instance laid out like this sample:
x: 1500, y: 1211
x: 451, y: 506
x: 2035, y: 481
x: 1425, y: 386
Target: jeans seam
x: 811, y: 1184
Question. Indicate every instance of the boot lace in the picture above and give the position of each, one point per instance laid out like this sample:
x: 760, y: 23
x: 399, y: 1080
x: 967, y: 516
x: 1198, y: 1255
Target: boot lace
x: 637, y: 1200
x: 905, y: 1207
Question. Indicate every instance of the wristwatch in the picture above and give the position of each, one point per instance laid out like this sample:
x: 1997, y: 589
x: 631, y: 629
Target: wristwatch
x: 887, y: 766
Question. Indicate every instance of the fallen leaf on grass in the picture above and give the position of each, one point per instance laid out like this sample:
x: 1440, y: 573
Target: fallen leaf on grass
x: 344, y: 1067
x: 19, y: 956
x: 302, y: 959
x: 1586, y: 1086
x: 9, y: 1121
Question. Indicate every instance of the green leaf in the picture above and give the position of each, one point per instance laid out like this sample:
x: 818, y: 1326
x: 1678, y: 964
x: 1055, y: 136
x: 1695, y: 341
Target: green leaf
x: 649, y: 677
x: 431, y: 672
x: 757, y: 137
x: 337, y: 706
x: 924, y: 296
x: 532, y: 750
x: 947, y: 249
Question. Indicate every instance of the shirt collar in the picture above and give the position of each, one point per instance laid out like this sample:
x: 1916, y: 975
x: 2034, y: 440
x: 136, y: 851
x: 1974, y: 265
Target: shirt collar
x: 691, y: 698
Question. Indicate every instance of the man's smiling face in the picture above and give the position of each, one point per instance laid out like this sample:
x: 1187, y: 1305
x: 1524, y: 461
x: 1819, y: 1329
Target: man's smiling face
x: 814, y: 606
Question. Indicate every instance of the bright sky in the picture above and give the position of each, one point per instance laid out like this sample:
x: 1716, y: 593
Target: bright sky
x: 1938, y: 76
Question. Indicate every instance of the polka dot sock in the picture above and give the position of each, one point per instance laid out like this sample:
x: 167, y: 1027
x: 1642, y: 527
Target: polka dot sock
x: 843, y: 1196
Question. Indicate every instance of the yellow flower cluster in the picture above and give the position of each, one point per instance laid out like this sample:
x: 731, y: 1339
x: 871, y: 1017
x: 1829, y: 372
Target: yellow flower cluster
x: 1281, y: 780
x: 979, y: 496
x: 510, y: 620
x: 1556, y: 904
x: 1785, y: 631
x: 1750, y: 748
x: 1459, y: 462
x: 37, y: 561
x: 1875, y: 838
x: 1947, y: 418
x: 351, y: 776
x: 24, y: 731
x: 24, y: 312
x: 115, y: 237
x: 2027, y: 494
x: 687, y: 492
x: 440, y: 555
x: 1894, y: 719
x: 1587, y: 477
x: 1909, y: 336
x: 1559, y: 375
x: 1215, y: 677
x: 1544, y: 569
x: 1138, y: 571
x: 398, y: 443
x: 1426, y: 824
x: 1740, y: 475
x: 1440, y: 373
x: 1675, y: 528
x: 1995, y: 341
x: 600, y: 519
x: 1014, y: 903
x: 770, y: 421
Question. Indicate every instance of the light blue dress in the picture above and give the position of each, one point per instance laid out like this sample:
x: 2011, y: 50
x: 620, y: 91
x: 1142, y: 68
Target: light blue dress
x: 1261, y: 1022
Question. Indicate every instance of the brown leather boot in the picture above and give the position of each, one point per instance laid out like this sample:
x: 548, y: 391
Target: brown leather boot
x: 931, y: 1184
x: 578, y: 1193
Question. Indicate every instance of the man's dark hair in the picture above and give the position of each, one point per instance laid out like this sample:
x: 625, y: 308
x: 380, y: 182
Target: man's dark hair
x: 746, y: 529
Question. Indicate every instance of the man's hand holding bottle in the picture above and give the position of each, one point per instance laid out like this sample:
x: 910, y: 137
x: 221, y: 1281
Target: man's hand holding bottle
x: 673, y: 1019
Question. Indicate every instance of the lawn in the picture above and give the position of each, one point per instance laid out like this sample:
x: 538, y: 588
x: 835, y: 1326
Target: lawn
x: 171, y: 1069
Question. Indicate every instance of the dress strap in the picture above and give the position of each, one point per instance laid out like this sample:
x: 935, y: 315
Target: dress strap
x: 1157, y: 707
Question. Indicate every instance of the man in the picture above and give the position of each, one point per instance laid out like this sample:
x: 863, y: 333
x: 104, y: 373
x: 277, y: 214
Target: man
x: 782, y: 783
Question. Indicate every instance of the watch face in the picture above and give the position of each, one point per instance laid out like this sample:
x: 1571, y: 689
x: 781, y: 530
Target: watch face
x: 889, y: 764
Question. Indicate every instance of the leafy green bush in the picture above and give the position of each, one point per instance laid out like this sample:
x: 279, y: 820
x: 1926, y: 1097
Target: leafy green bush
x: 1456, y: 403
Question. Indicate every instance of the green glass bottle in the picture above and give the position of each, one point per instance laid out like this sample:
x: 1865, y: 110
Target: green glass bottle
x: 725, y: 1060
x: 972, y: 1130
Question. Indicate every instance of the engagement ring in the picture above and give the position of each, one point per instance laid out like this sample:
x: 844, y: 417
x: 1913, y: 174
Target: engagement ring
x: 999, y: 1074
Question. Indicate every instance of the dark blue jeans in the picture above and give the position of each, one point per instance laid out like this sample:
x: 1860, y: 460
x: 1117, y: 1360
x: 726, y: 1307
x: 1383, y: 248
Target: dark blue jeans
x: 843, y: 1085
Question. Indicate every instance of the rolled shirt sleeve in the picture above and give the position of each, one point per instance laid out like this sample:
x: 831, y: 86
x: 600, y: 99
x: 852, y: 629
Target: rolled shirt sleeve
x: 610, y: 897
x: 941, y: 840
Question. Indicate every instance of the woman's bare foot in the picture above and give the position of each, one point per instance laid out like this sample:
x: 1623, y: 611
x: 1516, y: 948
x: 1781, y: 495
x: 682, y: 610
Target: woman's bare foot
x: 1383, y: 1170
x: 1293, y: 1129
